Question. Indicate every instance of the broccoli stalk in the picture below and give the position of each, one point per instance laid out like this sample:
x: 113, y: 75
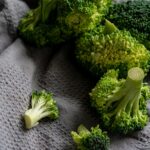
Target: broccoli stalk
x: 129, y: 94
x: 46, y: 6
x: 90, y: 140
x: 43, y: 106
x: 122, y: 105
x: 109, y: 27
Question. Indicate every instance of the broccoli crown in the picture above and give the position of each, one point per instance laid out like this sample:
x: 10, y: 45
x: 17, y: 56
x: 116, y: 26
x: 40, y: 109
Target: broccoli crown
x: 82, y: 15
x: 121, y: 103
x: 42, y: 105
x: 95, y: 139
x: 99, y: 52
x: 133, y: 16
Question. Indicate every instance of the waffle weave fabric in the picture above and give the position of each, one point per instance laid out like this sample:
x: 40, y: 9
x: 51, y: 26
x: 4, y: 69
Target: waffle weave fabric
x: 22, y: 70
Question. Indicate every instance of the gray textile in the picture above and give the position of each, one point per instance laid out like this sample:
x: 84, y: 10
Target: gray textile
x: 10, y: 13
x: 23, y: 69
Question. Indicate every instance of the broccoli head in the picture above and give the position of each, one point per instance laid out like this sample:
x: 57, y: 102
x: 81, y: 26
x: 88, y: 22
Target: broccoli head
x: 95, y: 139
x: 109, y: 48
x: 82, y: 15
x: 121, y: 103
x: 134, y: 16
x: 42, y: 105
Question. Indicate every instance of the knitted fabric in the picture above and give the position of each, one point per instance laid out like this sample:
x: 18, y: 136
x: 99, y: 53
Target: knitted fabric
x: 24, y: 69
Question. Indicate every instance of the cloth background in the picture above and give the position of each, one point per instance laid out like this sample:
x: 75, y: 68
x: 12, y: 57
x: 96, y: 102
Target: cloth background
x: 23, y: 69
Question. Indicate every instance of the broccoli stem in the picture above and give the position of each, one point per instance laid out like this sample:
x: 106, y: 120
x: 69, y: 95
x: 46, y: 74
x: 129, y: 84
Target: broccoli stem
x: 131, y: 103
x: 128, y: 96
x: 136, y: 104
x: 82, y: 130
x: 46, y: 6
x: 76, y: 137
x: 33, y: 115
x: 31, y: 118
x: 109, y: 27
x: 135, y: 80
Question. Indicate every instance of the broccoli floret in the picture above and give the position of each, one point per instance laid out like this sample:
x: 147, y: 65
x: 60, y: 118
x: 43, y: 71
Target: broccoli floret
x: 103, y: 49
x: 95, y: 139
x: 35, y: 28
x: 42, y: 105
x: 122, y: 103
x: 82, y: 15
x: 133, y: 16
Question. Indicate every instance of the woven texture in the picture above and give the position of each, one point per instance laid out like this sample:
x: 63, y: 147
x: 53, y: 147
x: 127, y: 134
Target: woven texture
x: 10, y: 13
x: 23, y: 69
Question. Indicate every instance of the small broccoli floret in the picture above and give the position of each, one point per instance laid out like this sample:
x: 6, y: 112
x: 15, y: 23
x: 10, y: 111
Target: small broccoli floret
x: 122, y: 103
x: 95, y: 139
x: 110, y: 48
x: 134, y: 16
x: 34, y: 27
x: 42, y: 105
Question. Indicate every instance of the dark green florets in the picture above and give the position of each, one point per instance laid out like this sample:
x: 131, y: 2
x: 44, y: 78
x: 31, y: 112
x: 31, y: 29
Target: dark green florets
x: 99, y: 52
x: 133, y: 16
x: 95, y: 139
x: 121, y: 103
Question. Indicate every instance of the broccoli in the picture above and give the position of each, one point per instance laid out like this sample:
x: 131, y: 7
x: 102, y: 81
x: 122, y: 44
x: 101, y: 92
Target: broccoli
x: 133, y: 16
x: 42, y: 105
x: 109, y: 48
x: 82, y: 15
x: 54, y: 22
x: 95, y: 139
x: 35, y: 27
x: 121, y: 103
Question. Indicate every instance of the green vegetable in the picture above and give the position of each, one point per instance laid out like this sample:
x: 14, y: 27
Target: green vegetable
x: 42, y: 105
x: 54, y: 22
x: 121, y: 103
x: 35, y: 28
x: 133, y: 16
x: 109, y: 48
x: 95, y: 139
x: 82, y: 15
